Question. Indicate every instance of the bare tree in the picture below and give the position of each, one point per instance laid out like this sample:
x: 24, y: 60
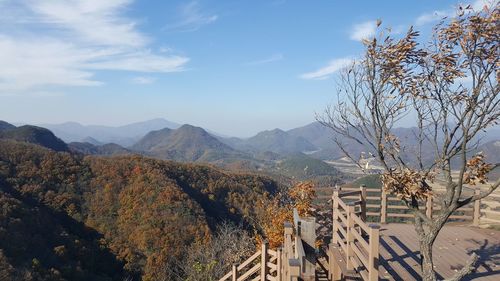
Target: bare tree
x: 450, y: 88
x: 231, y: 244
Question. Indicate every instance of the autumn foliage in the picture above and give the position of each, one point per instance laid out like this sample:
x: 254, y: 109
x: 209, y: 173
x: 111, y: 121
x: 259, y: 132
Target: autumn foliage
x: 280, y: 210
x: 113, y: 218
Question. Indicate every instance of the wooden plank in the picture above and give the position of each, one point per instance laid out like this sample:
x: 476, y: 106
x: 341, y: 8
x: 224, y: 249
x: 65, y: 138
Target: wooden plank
x: 272, y: 253
x: 350, y: 193
x: 339, y: 259
x: 235, y: 272
x: 343, y: 219
x: 227, y: 276
x: 263, y: 260
x: 350, y: 189
x: 490, y: 220
x: 250, y: 272
x: 360, y: 239
x: 271, y: 278
x: 360, y: 222
x: 272, y: 266
x: 341, y: 203
x: 397, y: 207
x: 491, y: 212
x: 461, y: 217
x: 249, y: 260
x: 360, y: 255
x: 350, y: 197
x: 400, y: 215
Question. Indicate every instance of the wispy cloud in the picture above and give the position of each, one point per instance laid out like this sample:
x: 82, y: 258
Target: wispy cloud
x: 191, y: 18
x: 432, y: 17
x: 437, y: 15
x: 273, y: 58
x: 78, y: 38
x: 144, y: 80
x: 363, y: 30
x: 326, y: 72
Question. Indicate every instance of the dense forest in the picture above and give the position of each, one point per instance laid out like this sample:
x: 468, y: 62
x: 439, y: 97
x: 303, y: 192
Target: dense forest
x: 66, y: 216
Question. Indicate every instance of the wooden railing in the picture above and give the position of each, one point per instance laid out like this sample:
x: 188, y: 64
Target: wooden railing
x: 290, y: 266
x: 353, y: 251
x: 486, y: 215
x: 295, y: 259
x: 255, y: 269
x: 383, y: 207
x: 298, y: 250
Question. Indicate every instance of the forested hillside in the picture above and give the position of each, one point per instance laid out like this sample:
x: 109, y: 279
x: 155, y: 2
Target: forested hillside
x: 69, y: 217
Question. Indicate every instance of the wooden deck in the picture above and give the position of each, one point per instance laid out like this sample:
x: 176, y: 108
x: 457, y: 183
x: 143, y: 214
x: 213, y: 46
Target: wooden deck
x: 400, y: 255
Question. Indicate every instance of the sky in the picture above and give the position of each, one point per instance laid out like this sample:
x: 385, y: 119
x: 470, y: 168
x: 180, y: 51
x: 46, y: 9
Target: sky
x: 232, y: 66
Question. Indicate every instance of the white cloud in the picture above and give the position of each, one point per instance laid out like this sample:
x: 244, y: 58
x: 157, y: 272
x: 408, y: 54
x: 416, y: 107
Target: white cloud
x: 432, y: 17
x: 27, y: 64
x: 143, y: 80
x: 325, y: 72
x: 191, y: 18
x: 58, y: 43
x: 437, y: 15
x: 363, y: 30
x: 95, y: 21
x: 273, y: 58
x: 140, y: 61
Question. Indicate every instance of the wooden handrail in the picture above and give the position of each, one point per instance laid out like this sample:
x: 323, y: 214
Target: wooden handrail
x: 269, y: 265
x: 361, y: 252
x: 383, y: 206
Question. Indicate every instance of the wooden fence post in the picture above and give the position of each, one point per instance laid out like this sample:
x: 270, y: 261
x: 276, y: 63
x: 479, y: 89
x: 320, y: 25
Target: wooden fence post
x: 350, y: 238
x: 263, y: 261
x: 235, y: 272
x: 308, y: 240
x: 335, y: 215
x: 383, y: 207
x: 333, y: 265
x: 294, y: 267
x: 428, y: 207
x: 373, y: 254
x: 477, y: 209
x: 287, y: 250
x: 362, y: 198
x: 278, y: 264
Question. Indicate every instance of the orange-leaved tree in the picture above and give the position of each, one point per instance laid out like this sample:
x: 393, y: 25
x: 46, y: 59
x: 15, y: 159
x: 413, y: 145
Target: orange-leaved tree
x: 280, y: 210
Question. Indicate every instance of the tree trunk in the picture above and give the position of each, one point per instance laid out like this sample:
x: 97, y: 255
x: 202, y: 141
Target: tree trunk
x: 426, y: 263
x: 426, y: 236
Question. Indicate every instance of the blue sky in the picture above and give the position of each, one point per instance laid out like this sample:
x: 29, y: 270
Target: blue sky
x: 235, y: 67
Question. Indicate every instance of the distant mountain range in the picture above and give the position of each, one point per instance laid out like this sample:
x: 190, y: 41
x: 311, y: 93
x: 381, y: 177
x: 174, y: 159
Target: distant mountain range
x: 108, y: 149
x: 276, y: 140
x: 266, y: 151
x: 125, y: 135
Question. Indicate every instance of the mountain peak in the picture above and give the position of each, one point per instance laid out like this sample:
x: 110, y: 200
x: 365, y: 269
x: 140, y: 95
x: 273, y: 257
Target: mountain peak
x: 191, y: 128
x: 279, y: 141
x: 187, y: 143
x: 36, y: 135
x: 6, y: 126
